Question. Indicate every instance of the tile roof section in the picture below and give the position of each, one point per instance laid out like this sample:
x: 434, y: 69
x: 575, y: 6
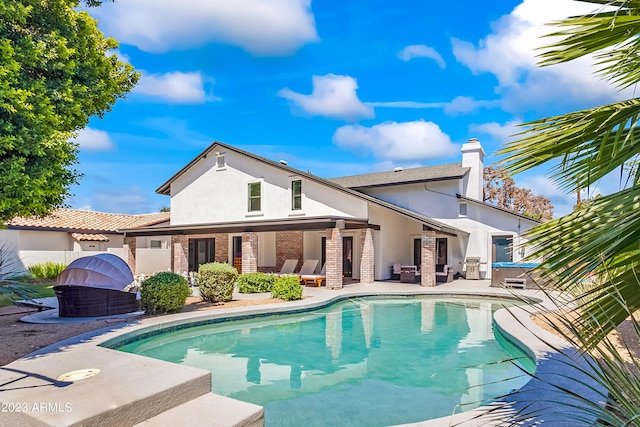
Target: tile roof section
x: 84, y: 237
x: 80, y: 220
x: 404, y: 176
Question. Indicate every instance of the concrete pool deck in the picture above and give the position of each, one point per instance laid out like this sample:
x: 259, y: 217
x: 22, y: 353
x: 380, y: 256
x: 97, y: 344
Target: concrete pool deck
x: 131, y: 389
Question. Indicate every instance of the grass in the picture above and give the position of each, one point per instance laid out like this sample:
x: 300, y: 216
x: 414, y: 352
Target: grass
x: 40, y: 290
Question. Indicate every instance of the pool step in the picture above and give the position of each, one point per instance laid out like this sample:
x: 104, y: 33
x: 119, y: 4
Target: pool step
x: 514, y: 282
x: 210, y: 410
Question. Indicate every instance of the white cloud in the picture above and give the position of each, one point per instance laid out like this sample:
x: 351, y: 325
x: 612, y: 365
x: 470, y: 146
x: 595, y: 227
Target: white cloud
x: 93, y: 140
x: 261, y: 27
x: 509, y: 53
x: 175, y: 87
x: 332, y: 96
x: 460, y: 104
x: 397, y: 141
x: 501, y: 132
x: 421, y: 51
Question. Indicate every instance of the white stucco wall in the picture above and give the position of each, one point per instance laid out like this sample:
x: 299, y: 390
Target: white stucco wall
x: 152, y: 260
x: 205, y: 194
x: 438, y: 201
x: 394, y: 242
x: 35, y: 247
x: 145, y: 242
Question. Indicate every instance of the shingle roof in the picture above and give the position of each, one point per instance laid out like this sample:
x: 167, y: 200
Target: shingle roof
x: 85, y: 237
x: 87, y: 221
x: 404, y: 176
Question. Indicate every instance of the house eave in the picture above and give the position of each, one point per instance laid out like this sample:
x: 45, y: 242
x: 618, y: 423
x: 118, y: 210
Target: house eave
x: 306, y: 224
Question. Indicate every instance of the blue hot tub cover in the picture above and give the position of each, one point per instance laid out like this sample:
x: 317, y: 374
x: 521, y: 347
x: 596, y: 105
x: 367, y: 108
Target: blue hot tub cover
x: 524, y: 265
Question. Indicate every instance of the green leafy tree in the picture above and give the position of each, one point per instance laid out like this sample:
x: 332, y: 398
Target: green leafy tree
x: 603, y: 239
x: 56, y: 71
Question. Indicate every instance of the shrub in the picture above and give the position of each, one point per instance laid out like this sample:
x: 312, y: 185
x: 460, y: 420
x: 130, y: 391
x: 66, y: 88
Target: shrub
x: 216, y: 281
x: 287, y: 288
x: 250, y: 283
x: 47, y: 270
x: 164, y: 292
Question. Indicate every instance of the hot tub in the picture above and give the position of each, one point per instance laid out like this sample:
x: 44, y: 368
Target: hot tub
x: 504, y: 273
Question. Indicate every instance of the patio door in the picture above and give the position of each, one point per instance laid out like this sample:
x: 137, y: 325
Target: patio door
x: 347, y: 256
x: 201, y: 251
x: 417, y: 253
x: 237, y: 253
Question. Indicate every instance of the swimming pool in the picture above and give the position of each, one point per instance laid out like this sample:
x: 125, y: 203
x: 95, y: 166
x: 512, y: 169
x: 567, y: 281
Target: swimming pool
x: 363, y: 361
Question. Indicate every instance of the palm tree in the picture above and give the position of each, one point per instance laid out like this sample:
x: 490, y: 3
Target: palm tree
x: 603, y: 239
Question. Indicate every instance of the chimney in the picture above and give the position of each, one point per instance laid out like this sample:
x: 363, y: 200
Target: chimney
x: 472, y: 156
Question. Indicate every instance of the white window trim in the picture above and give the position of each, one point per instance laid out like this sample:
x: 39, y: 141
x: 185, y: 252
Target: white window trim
x: 260, y: 212
x: 296, y: 212
x: 460, y: 215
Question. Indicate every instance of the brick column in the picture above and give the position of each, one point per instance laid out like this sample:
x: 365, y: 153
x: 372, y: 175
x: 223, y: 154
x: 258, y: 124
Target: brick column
x: 130, y: 252
x: 179, y: 254
x: 249, y: 252
x: 289, y: 245
x: 334, y: 258
x: 367, y: 262
x: 428, y: 262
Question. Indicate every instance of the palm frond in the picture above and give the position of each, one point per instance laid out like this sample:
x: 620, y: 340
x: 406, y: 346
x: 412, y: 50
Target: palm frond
x: 589, y: 144
x: 610, y: 33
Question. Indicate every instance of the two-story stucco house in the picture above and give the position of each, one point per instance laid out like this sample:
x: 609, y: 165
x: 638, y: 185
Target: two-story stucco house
x: 229, y: 205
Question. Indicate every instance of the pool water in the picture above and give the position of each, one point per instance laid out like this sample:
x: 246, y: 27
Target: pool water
x: 361, y: 362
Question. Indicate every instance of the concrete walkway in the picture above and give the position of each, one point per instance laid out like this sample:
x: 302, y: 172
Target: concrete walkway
x: 116, y: 388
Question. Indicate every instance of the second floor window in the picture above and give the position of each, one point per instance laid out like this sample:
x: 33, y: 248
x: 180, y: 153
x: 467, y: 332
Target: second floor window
x: 254, y: 197
x: 296, y: 195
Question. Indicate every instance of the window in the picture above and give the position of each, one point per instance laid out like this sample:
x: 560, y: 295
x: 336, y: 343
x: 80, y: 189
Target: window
x: 441, y: 251
x: 155, y: 244
x: 220, y: 161
x: 502, y: 248
x: 254, y: 197
x: 463, y: 209
x: 201, y: 251
x: 296, y: 195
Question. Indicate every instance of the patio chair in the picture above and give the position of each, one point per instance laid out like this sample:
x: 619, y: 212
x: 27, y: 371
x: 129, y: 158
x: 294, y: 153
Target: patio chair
x: 308, y: 267
x: 395, y: 272
x: 444, y: 273
x: 288, y: 267
x: 315, y: 279
x: 409, y: 274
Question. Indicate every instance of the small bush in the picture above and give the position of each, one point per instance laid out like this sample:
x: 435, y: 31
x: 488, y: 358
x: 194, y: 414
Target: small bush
x: 164, y: 292
x: 216, y: 281
x: 287, y: 288
x: 47, y: 270
x: 251, y: 283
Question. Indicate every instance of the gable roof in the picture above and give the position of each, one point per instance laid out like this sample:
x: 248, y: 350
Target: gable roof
x: 73, y: 220
x: 403, y: 176
x: 433, y: 224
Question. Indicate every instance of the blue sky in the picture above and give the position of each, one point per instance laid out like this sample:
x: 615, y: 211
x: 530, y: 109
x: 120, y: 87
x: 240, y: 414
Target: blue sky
x: 333, y: 87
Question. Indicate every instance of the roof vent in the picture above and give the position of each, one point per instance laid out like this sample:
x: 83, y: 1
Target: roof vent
x: 398, y: 169
x: 284, y: 162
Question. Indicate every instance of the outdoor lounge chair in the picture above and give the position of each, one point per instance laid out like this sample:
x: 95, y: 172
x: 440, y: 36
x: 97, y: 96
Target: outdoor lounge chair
x: 308, y: 267
x: 315, y: 279
x: 288, y: 267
